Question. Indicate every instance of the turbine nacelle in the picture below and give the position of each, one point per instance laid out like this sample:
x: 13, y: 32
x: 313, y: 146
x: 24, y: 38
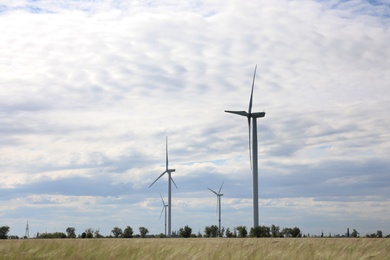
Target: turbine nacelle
x: 258, y: 114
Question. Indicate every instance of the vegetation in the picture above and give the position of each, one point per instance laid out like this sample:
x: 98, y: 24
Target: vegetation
x: 117, y: 232
x: 52, y: 235
x: 185, y: 232
x: 4, y: 232
x: 71, y: 232
x: 143, y: 231
x: 197, y: 248
x: 211, y: 231
x: 260, y: 231
x: 242, y: 232
x: 127, y: 232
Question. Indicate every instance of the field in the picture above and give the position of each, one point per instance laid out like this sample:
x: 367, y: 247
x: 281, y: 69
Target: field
x: 197, y: 248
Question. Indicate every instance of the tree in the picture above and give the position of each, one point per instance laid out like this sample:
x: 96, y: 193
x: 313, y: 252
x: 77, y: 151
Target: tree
x: 242, y: 232
x: 275, y: 231
x: 260, y: 231
x: 228, y: 233
x: 354, y: 233
x: 211, y: 231
x: 292, y: 232
x: 89, y: 233
x: 117, y: 232
x: 185, y: 232
x: 379, y: 233
x: 220, y: 233
x: 70, y: 231
x: 143, y: 231
x: 127, y: 232
x: 4, y: 232
x: 296, y: 232
x: 97, y: 234
x: 207, y: 231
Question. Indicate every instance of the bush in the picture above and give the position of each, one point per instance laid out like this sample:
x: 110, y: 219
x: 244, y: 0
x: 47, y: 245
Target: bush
x: 52, y: 235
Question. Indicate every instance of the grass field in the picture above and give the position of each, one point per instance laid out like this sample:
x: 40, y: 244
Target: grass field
x: 197, y: 248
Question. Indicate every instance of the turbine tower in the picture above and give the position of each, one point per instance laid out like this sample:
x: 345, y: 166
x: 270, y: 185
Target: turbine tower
x: 170, y: 180
x: 164, y: 209
x: 27, y: 233
x: 250, y: 115
x: 219, y: 195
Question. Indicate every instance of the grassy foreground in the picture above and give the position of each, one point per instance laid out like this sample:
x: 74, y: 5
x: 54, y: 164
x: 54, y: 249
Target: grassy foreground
x: 197, y: 248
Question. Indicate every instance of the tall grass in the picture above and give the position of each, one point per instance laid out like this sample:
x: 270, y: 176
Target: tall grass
x: 197, y: 248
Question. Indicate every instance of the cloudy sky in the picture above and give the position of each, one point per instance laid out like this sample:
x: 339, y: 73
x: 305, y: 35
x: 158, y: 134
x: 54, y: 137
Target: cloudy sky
x: 89, y: 90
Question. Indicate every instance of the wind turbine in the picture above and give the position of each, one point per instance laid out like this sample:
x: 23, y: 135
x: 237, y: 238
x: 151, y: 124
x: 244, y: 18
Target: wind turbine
x: 170, y: 180
x: 254, y: 157
x: 219, y: 195
x: 164, y: 209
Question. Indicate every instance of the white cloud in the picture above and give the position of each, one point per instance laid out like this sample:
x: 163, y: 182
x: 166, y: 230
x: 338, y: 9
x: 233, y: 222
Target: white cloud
x: 91, y: 89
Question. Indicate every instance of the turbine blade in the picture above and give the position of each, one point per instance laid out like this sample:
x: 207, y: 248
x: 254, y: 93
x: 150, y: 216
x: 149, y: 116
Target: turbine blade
x: 174, y: 182
x: 166, y: 152
x: 157, y: 179
x: 162, y: 199
x: 253, y: 84
x: 161, y: 212
x: 250, y: 150
x: 241, y: 113
x: 213, y: 191
x: 250, y: 114
x: 220, y: 188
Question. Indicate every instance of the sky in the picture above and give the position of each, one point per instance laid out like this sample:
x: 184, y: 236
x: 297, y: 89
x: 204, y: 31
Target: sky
x: 90, y: 89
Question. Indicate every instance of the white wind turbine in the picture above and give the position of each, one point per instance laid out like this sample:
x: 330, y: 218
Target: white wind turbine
x: 219, y: 195
x: 254, y: 116
x: 165, y: 210
x: 170, y: 180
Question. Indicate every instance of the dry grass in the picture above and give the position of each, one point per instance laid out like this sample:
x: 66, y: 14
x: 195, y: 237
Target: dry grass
x: 197, y: 248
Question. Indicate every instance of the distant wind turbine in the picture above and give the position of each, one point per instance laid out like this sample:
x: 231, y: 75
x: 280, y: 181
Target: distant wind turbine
x: 170, y: 180
x: 219, y: 195
x: 164, y: 209
x: 254, y: 157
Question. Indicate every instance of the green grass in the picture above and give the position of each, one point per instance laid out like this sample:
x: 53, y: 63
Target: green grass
x: 197, y: 248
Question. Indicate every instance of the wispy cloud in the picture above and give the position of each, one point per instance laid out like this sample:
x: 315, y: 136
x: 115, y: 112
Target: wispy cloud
x: 90, y: 89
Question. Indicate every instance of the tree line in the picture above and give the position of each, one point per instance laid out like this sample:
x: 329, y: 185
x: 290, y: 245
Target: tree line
x: 186, y: 231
